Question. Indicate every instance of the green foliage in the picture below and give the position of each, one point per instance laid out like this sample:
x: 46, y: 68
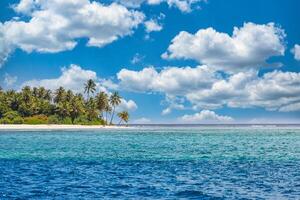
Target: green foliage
x: 18, y: 120
x: 11, y: 117
x: 124, y: 116
x: 39, y: 105
x: 66, y: 120
x: 37, y: 119
x: 5, y: 121
x: 83, y: 120
x: 54, y: 119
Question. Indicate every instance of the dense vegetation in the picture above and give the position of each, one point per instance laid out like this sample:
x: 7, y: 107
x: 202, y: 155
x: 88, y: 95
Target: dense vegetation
x: 43, y: 106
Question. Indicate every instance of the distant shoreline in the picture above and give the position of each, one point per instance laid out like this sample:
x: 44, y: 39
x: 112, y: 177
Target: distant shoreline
x: 25, y: 127
x: 50, y: 127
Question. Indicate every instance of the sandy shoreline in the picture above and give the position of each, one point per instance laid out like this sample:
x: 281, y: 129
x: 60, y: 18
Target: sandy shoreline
x: 56, y: 127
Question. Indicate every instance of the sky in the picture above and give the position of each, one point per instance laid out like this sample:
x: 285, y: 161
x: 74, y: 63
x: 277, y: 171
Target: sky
x: 173, y: 61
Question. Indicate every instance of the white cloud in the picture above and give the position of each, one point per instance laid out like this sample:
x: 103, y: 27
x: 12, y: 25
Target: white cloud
x: 152, y: 26
x: 248, y: 47
x: 166, y: 111
x: 182, y: 5
x: 290, y: 107
x: 142, y: 120
x: 137, y: 58
x: 204, y: 88
x: 274, y: 91
x: 296, y: 51
x: 173, y: 103
x: 73, y: 78
x: 137, y: 81
x: 56, y: 25
x: 10, y: 80
x: 129, y: 105
x: 171, y: 80
x: 5, y: 46
x: 25, y: 6
x: 205, y: 116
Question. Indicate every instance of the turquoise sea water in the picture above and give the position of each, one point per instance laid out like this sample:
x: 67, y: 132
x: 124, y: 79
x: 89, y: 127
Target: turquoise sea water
x: 151, y: 163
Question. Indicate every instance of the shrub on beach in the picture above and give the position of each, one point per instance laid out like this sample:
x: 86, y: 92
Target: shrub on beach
x: 54, y: 119
x: 11, y: 117
x: 36, y: 119
x: 83, y: 120
x: 18, y: 120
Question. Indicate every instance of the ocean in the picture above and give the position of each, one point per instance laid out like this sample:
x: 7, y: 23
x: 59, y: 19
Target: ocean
x: 174, y: 162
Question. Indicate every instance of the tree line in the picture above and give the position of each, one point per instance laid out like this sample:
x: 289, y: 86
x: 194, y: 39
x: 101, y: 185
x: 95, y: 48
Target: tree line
x: 39, y: 105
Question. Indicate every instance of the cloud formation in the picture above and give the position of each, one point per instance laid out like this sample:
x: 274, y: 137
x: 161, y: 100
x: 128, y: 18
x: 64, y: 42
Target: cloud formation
x: 248, y: 48
x: 142, y: 120
x: 72, y: 78
x: 55, y: 25
x: 171, y: 80
x: 205, y: 116
x: 153, y: 26
x: 10, y: 80
x: 296, y: 51
x: 204, y: 88
x: 182, y: 5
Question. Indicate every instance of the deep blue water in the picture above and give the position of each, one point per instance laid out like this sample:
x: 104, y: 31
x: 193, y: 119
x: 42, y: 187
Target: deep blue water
x: 151, y: 163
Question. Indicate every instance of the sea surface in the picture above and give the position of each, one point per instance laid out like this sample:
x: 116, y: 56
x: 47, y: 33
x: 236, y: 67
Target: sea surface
x: 152, y: 163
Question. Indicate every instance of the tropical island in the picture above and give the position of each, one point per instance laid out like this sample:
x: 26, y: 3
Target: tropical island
x: 39, y: 105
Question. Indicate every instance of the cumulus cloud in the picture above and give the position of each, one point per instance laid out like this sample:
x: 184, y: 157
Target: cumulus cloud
x: 204, y: 88
x: 152, y: 26
x: 142, y: 120
x: 9, y: 80
x: 249, y: 47
x: 171, y: 80
x: 129, y: 105
x: 5, y: 46
x: 182, y: 5
x: 137, y: 58
x: 273, y: 91
x: 55, y: 26
x: 25, y: 6
x: 73, y: 78
x: 296, y: 51
x: 205, y: 116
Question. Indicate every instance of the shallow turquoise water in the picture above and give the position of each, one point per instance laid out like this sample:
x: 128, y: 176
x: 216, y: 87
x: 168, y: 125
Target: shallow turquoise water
x: 151, y: 163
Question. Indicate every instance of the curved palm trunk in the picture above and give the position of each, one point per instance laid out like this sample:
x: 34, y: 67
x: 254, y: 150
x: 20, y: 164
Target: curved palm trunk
x: 112, y: 116
x: 106, y: 117
x: 120, y: 121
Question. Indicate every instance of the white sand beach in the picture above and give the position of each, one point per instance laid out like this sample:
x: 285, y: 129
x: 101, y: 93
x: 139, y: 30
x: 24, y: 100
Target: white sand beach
x: 56, y: 127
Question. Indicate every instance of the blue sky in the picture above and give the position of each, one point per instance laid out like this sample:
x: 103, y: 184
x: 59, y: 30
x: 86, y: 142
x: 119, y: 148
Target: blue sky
x: 173, y: 61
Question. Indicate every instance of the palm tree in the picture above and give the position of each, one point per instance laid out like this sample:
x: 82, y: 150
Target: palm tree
x: 76, y: 108
x: 124, y: 116
x: 26, y: 94
x: 69, y: 95
x: 107, y: 111
x: 63, y: 109
x: 91, y: 109
x: 35, y: 91
x: 89, y: 87
x: 41, y: 92
x: 59, y: 95
x: 114, y: 100
x: 48, y: 95
x: 102, y: 101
